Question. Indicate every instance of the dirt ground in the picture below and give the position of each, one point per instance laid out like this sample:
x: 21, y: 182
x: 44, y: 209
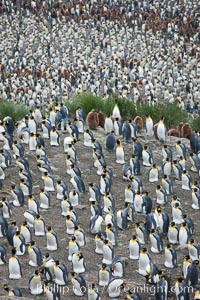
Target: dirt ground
x: 53, y: 216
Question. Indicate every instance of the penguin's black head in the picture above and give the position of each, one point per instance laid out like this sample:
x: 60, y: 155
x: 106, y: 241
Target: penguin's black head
x: 158, y: 187
x: 172, y: 224
x: 152, y: 230
x: 68, y: 217
x: 17, y: 232
x: 37, y: 272
x: 144, y: 249
x: 165, y: 176
x: 3, y: 199
x: 180, y: 279
x: 187, y: 257
x: 42, y: 190
x: 196, y: 262
x: 5, y: 287
x: 106, y: 242
x: 57, y: 262
x: 73, y: 238
x: 46, y: 255
x: 13, y: 251
x: 179, y: 142
x: 14, y: 223
x: 103, y: 266
x: 145, y: 147
x: 59, y: 182
x: 134, y: 237
x: 73, y: 274
x: 32, y: 243
x: 183, y: 224
x: 184, y: 171
x: 49, y: 228
x: 109, y: 225
x: 191, y: 241
x: 168, y: 246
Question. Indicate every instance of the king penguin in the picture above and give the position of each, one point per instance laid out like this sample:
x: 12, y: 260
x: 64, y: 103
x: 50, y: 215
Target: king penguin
x: 12, y: 290
x: 35, y: 255
x: 14, y: 266
x: 3, y: 255
x: 60, y: 273
x: 110, y: 142
x: 134, y: 248
x: 79, y: 284
x: 156, y: 241
x: 144, y: 261
x: 161, y: 130
x: 93, y: 293
x: 170, y: 257
x: 149, y: 126
x: 120, y: 155
x: 153, y: 174
x: 35, y: 283
x: 78, y: 262
x: 52, y: 239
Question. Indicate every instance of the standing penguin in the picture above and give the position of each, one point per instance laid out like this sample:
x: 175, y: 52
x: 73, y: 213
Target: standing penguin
x: 88, y: 137
x: 3, y: 255
x: 108, y: 253
x: 144, y: 261
x: 181, y: 149
x: 60, y: 272
x: 54, y: 137
x: 137, y: 148
x: 35, y: 284
x: 149, y: 126
x: 161, y: 195
x: 134, y: 248
x: 166, y: 152
x: 79, y: 234
x: 14, y: 267
x: 141, y: 233
x: 117, y: 267
x: 156, y: 241
x: 161, y: 288
x: 117, y: 124
x: 153, y: 174
x: 110, y: 142
x: 162, y: 219
x: 111, y: 234
x: 18, y: 195
x: 186, y: 179
x: 35, y: 255
x: 166, y: 167
x: 108, y: 125
x: 52, y: 291
x: 135, y: 165
x: 39, y: 226
x: 147, y: 157
x: 193, y: 249
x: 5, y: 207
x: 52, y: 239
x: 93, y: 293
x: 104, y: 275
x: 78, y: 262
x: 95, y: 194
x: 138, y: 203
x: 126, y: 131
x: 48, y: 182
x: 119, y: 153
x: 170, y: 257
x: 193, y: 273
x: 172, y: 234
x: 79, y: 284
x: 181, y: 289
x: 62, y: 189
x: 44, y: 199
x: 183, y: 234
x: 161, y: 130
x: 73, y: 247
x: 177, y: 169
x: 167, y: 183
x: 19, y: 243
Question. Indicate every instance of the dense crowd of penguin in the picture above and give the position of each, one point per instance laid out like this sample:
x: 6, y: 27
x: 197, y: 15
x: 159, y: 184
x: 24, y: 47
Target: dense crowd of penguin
x: 32, y: 134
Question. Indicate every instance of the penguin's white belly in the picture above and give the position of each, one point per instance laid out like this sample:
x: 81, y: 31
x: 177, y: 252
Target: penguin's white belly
x: 153, y: 176
x: 29, y: 218
x: 99, y: 247
x: 44, y: 202
x: 97, y: 226
x: 160, y: 198
x: 32, y: 258
x: 69, y: 227
x: 116, y: 129
x: 118, y: 270
x: 167, y: 169
x: 59, y: 276
x: 134, y: 250
x: 104, y: 278
x: 138, y: 205
x: 120, y: 156
x: 45, y: 132
x: 140, y: 236
x: 72, y: 249
x: 26, y: 233
x: 36, y: 287
x: 51, y: 242
x: 80, y: 239
x: 145, y: 157
x: 177, y: 216
x: 108, y: 126
x: 54, y: 140
x: 183, y: 237
x: 193, y: 253
x: 111, y: 237
x: 25, y: 137
x: 17, y: 243
x: 154, y: 245
x: 32, y: 206
x: 14, y: 269
x: 159, y: 221
x: 2, y: 174
x: 161, y: 132
x: 59, y: 195
x: 32, y: 144
x: 129, y: 197
x: 102, y: 187
x: 74, y: 200
x: 39, y: 228
x: 185, y: 183
x: 168, y: 260
x: 87, y: 141
x: 172, y: 236
x: 149, y: 128
x: 25, y: 190
x: 195, y: 202
x: 143, y: 264
x: 48, y: 185
x: 78, y: 265
x: 107, y: 255
x: 64, y: 208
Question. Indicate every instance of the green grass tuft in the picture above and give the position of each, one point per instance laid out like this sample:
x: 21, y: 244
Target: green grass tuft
x: 13, y: 110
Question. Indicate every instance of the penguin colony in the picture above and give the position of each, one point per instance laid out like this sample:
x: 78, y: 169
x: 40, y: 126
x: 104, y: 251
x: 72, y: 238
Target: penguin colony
x: 135, y: 218
x: 145, y: 51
